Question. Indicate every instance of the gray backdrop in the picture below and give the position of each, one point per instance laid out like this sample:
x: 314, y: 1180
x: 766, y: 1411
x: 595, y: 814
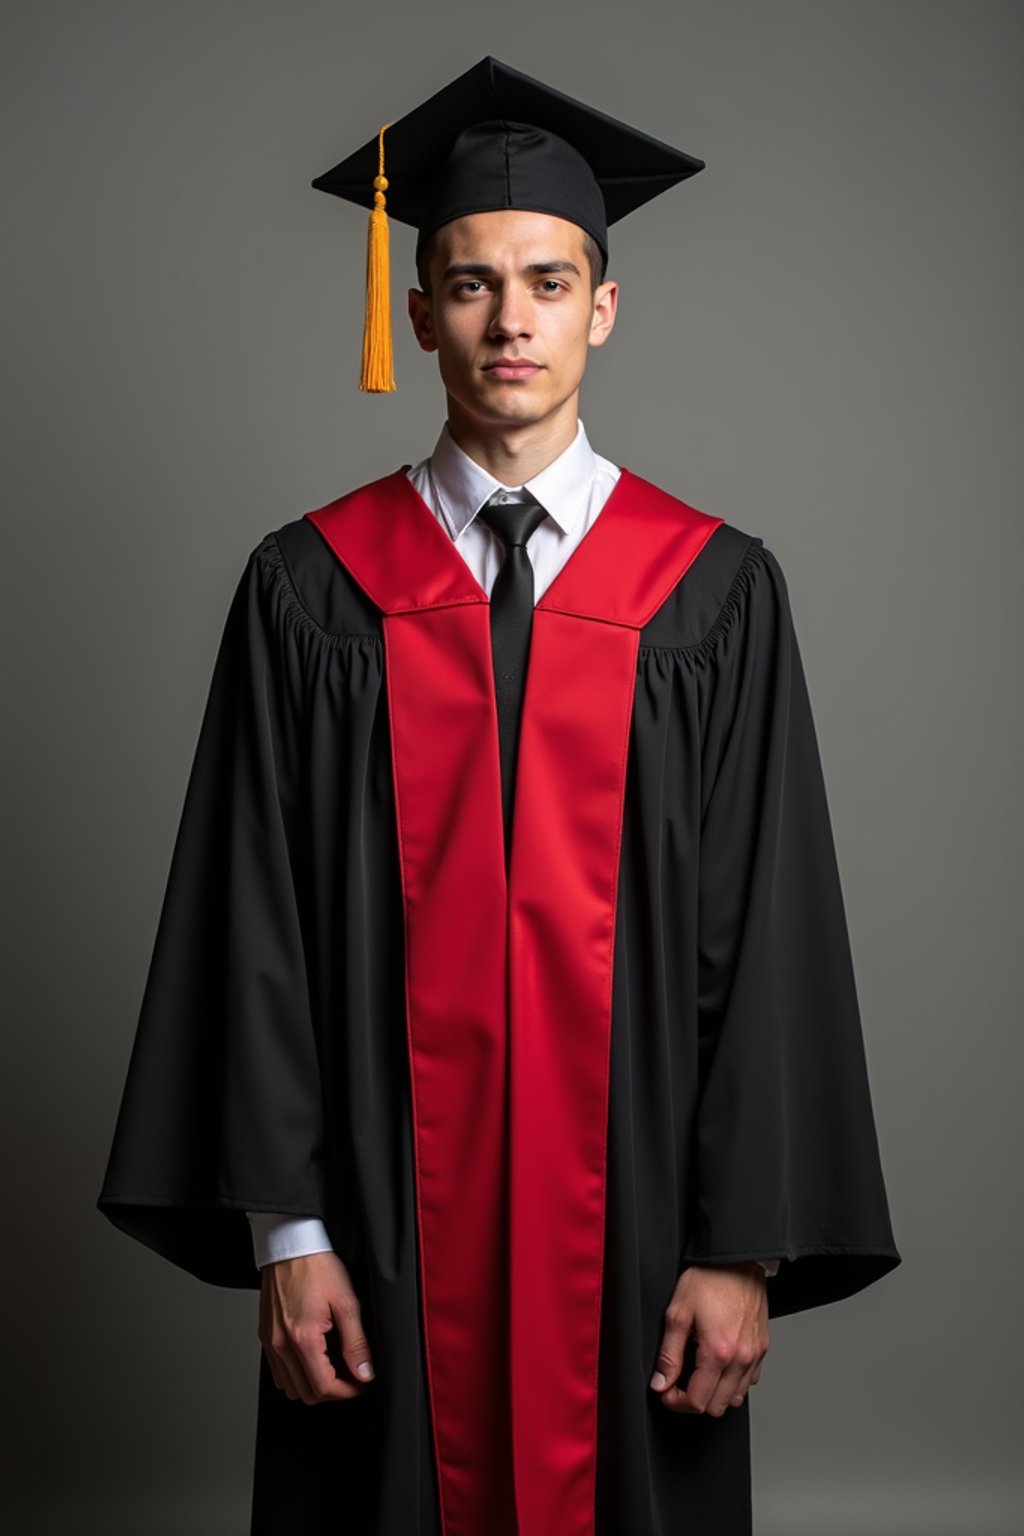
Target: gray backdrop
x: 819, y: 339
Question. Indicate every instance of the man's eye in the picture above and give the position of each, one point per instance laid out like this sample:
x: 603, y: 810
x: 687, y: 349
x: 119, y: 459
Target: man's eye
x: 551, y: 282
x: 472, y: 282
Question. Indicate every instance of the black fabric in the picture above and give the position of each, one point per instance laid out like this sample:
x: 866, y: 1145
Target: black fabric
x: 511, y: 625
x: 505, y: 164
x: 496, y: 138
x: 270, y: 1069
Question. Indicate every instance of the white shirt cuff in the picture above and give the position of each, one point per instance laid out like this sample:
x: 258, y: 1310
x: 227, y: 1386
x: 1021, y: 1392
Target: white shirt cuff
x: 277, y: 1237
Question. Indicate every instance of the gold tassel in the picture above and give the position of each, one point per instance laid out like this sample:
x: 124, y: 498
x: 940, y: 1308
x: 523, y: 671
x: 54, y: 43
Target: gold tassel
x: 378, y: 363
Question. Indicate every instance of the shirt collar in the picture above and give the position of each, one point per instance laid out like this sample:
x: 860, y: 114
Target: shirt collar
x: 463, y: 486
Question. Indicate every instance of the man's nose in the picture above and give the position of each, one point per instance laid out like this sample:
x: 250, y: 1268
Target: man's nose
x: 511, y: 314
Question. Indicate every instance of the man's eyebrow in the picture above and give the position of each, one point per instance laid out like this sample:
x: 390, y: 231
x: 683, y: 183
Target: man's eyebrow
x: 481, y: 269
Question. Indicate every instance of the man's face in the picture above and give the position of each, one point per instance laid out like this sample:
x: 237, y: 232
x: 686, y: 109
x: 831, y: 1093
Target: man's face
x: 511, y: 288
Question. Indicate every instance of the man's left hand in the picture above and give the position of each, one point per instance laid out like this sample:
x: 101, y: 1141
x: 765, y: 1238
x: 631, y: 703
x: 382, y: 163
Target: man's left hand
x: 725, y: 1308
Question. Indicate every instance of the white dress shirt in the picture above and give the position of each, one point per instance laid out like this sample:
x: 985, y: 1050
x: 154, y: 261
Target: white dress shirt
x: 572, y: 489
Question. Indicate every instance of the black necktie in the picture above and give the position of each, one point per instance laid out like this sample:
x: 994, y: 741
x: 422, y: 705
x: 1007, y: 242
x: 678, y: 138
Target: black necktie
x: 511, y: 622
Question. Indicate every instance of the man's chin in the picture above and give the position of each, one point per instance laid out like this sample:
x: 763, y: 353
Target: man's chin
x: 507, y: 408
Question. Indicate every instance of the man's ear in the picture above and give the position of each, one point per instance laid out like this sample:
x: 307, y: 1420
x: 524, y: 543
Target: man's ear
x: 422, y: 317
x: 606, y: 299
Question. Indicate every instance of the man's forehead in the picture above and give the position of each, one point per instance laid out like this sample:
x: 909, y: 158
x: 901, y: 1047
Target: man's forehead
x: 508, y: 233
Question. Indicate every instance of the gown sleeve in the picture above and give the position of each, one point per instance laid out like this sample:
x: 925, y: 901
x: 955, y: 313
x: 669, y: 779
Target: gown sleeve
x: 222, y: 1107
x: 786, y: 1148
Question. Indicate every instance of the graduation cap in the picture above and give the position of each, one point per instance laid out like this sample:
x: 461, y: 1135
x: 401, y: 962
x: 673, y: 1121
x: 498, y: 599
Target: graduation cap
x: 493, y: 138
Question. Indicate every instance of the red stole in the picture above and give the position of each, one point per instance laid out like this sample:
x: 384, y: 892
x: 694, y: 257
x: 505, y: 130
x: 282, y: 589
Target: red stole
x: 509, y: 985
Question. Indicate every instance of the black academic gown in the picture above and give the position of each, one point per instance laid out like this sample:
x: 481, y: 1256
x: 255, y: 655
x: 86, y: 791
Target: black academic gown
x: 271, y: 1066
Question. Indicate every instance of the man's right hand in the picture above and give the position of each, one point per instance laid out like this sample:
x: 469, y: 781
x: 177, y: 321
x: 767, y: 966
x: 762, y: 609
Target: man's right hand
x: 300, y: 1301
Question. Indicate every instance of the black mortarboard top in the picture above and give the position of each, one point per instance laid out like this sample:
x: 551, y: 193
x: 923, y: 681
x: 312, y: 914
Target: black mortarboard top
x: 494, y: 138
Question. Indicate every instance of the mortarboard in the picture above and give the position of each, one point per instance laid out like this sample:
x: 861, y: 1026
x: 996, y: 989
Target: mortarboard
x: 493, y: 138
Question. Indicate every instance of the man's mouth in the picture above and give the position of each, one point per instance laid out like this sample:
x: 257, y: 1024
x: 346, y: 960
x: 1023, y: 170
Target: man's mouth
x: 511, y: 368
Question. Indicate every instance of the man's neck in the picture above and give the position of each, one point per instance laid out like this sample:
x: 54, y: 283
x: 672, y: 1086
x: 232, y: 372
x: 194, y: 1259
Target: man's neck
x: 514, y: 455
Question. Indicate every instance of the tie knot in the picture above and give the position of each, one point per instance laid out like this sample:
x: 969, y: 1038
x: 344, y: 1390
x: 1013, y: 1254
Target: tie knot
x: 512, y: 520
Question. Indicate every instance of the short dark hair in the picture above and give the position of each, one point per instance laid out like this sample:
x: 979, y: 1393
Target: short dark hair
x: 595, y: 261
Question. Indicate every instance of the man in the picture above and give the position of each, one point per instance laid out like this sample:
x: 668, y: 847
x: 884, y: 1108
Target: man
x: 503, y: 977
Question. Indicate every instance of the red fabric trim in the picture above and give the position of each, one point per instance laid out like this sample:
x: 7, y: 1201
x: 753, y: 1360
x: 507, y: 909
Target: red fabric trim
x: 508, y: 988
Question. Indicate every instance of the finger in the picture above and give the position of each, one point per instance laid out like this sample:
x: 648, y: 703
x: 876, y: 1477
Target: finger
x: 356, y: 1354
x: 319, y: 1378
x: 286, y: 1378
x: 728, y: 1388
x: 683, y: 1400
x: 296, y: 1387
x: 279, y: 1373
x: 705, y: 1379
x: 677, y: 1400
x: 669, y: 1361
x: 269, y: 1341
x: 765, y: 1345
x: 695, y: 1385
x: 286, y: 1366
x: 745, y: 1383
